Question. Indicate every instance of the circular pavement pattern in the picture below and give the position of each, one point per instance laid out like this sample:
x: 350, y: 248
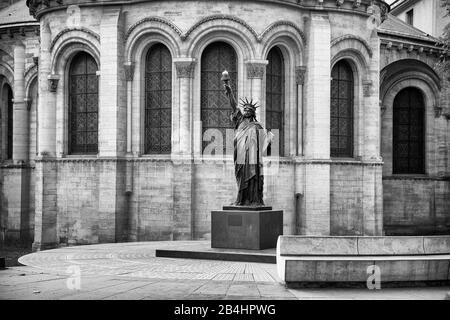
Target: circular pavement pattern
x: 137, y: 260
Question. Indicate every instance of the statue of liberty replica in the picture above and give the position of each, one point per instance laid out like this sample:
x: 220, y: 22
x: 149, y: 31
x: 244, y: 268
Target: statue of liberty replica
x: 250, y: 142
x: 247, y: 223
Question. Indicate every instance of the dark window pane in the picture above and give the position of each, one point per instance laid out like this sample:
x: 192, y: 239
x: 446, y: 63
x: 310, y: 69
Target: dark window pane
x: 158, y: 102
x: 408, y: 132
x: 341, y: 126
x: 9, y: 145
x: 215, y: 108
x: 83, y: 105
x: 274, y: 94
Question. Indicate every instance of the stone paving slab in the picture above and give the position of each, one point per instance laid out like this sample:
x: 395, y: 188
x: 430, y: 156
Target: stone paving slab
x: 131, y: 271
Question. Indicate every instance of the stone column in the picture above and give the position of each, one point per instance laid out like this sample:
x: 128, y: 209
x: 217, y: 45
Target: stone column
x: 315, y: 219
x: 129, y: 73
x: 132, y: 212
x: 112, y: 204
x: 372, y: 173
x: 185, y: 74
x: 46, y: 168
x: 256, y: 70
x: 183, y: 214
x: 300, y: 81
x: 20, y: 118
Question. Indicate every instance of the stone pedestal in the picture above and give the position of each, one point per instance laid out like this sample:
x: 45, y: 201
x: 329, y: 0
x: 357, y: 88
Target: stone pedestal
x: 246, y: 227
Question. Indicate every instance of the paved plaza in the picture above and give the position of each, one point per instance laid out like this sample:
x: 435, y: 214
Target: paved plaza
x: 131, y: 271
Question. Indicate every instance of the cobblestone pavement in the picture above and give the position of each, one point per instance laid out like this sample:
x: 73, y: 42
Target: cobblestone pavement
x: 131, y: 271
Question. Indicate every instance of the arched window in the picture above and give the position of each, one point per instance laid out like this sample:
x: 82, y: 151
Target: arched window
x: 158, y: 101
x: 83, y: 105
x: 341, y: 113
x: 215, y: 107
x: 275, y: 95
x: 9, y: 120
x: 408, y: 132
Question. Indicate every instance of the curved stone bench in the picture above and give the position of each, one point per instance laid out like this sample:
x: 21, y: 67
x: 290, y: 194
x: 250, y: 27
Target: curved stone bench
x: 310, y: 260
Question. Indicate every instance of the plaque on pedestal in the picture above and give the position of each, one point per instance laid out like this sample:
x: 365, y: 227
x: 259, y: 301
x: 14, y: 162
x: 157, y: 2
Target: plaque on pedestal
x: 240, y: 227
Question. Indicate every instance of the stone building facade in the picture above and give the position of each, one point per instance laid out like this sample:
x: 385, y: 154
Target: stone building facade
x: 111, y: 105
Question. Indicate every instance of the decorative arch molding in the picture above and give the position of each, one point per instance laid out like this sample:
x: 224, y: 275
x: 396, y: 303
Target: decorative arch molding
x: 30, y: 75
x: 408, y: 69
x: 421, y: 81
x: 280, y: 28
x: 153, y: 21
x: 8, y: 73
x: 285, y: 36
x: 356, y: 58
x: 65, y: 50
x: 151, y: 29
x: 240, y: 41
x: 90, y: 33
x: 222, y: 17
x: 351, y: 41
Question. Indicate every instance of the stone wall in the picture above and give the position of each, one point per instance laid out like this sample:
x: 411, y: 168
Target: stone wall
x: 416, y: 206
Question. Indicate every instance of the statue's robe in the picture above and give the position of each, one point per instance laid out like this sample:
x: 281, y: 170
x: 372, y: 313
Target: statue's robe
x: 248, y: 159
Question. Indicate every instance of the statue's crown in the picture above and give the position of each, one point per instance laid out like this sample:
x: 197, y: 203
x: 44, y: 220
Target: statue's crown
x: 250, y: 103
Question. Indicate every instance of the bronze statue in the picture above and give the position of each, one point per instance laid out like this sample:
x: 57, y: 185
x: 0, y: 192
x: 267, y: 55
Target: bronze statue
x: 250, y: 141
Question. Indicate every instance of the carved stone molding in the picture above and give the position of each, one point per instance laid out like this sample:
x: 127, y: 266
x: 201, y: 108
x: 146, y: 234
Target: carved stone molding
x: 129, y: 71
x: 367, y: 86
x: 256, y: 70
x: 382, y: 108
x: 53, y: 82
x: 437, y: 111
x: 339, y: 2
x: 300, y: 73
x: 185, y: 68
x: 77, y: 29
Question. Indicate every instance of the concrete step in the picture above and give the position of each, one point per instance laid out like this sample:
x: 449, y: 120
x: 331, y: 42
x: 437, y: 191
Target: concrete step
x: 222, y: 254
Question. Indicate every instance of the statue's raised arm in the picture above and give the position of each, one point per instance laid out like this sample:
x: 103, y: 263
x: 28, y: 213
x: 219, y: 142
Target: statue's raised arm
x: 228, y: 91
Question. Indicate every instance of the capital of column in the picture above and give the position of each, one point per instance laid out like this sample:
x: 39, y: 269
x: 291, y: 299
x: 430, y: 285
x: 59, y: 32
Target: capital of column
x: 129, y: 70
x: 367, y: 86
x: 53, y: 80
x: 184, y: 67
x: 300, y: 72
x: 256, y: 69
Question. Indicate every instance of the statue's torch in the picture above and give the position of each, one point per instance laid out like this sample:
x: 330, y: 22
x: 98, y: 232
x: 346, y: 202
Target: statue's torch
x: 225, y: 77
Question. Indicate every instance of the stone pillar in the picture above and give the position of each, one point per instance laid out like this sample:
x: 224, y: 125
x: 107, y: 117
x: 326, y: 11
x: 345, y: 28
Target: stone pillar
x: 372, y: 173
x: 48, y: 85
x: 45, y: 234
x: 185, y: 74
x: 112, y: 215
x: 371, y: 90
x: 183, y: 167
x: 45, y: 218
x: 315, y: 219
x: 300, y: 81
x: 132, y: 213
x: 256, y: 70
x: 20, y: 119
x: 129, y: 73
